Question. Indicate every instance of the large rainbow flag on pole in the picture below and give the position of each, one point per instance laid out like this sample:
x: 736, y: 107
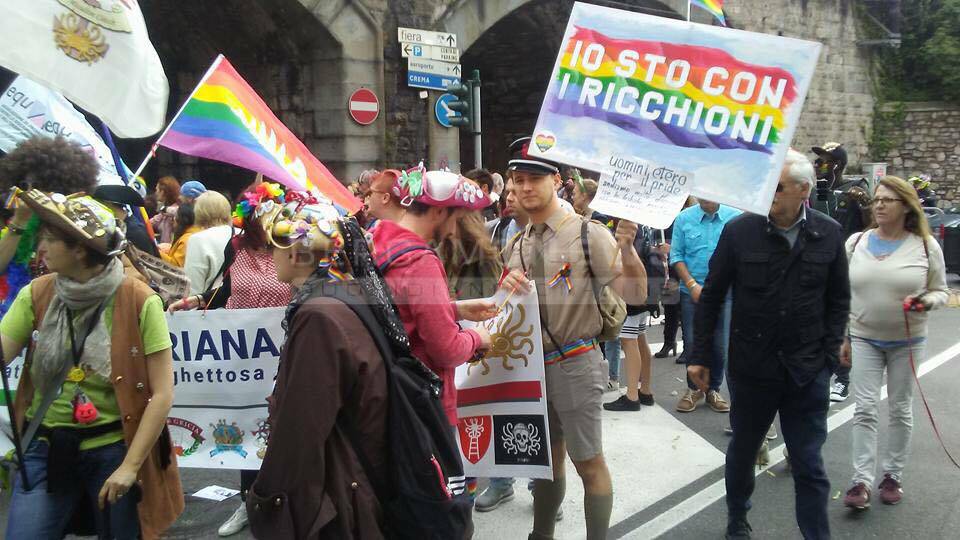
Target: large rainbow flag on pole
x: 715, y: 7
x: 224, y: 119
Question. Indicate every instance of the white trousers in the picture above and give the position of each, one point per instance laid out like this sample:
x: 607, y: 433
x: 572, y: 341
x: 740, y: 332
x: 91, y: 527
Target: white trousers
x: 866, y: 379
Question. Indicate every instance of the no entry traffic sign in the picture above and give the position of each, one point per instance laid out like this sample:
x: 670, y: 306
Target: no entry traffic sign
x: 364, y: 106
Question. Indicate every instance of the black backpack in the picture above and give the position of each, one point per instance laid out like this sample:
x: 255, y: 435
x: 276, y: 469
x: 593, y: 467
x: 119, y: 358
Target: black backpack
x: 424, y: 495
x: 657, y: 273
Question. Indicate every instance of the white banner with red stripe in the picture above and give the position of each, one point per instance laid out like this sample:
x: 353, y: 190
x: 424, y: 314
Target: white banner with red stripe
x: 501, y: 399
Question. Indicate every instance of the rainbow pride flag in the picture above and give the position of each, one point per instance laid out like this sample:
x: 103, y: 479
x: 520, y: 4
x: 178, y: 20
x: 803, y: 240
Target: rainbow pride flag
x: 718, y: 102
x: 715, y: 7
x: 224, y: 119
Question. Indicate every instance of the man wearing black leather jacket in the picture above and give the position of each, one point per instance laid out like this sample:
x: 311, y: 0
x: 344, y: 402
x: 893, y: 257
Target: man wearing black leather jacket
x: 791, y: 299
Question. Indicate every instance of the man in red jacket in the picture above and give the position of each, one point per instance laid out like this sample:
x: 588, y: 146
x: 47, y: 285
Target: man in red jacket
x: 434, y: 201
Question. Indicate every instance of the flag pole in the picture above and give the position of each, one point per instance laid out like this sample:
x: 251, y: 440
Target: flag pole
x: 153, y: 149
x: 688, y: 10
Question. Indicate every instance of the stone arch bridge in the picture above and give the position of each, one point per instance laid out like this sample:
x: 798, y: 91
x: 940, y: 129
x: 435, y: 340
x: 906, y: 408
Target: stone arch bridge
x: 305, y: 57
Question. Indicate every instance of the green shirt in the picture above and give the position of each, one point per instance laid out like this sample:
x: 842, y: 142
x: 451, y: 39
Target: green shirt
x: 18, y: 324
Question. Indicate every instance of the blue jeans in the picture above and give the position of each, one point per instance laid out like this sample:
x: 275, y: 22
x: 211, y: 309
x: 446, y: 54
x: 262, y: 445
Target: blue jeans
x: 803, y: 421
x: 721, y: 338
x: 39, y: 515
x: 611, y: 351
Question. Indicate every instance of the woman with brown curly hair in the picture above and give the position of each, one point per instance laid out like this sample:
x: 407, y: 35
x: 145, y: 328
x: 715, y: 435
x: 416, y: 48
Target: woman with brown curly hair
x: 168, y: 197
x: 48, y: 165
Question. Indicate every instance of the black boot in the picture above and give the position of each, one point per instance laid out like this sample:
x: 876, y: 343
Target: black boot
x: 668, y: 349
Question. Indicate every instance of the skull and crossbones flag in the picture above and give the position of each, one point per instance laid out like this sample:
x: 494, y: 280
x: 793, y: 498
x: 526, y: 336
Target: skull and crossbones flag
x: 501, y: 398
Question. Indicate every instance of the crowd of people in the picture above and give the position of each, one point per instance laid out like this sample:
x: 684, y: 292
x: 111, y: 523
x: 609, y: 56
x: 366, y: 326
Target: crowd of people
x: 778, y: 305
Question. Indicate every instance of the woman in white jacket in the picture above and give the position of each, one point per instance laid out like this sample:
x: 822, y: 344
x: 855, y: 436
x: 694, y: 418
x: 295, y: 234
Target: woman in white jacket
x: 894, y: 264
x: 205, y: 248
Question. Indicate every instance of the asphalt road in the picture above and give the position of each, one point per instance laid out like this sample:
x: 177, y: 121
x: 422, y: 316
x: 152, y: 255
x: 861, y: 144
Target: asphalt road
x: 660, y: 492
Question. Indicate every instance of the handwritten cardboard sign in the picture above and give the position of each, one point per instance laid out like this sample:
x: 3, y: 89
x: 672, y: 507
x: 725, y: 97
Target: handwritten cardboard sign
x: 641, y: 191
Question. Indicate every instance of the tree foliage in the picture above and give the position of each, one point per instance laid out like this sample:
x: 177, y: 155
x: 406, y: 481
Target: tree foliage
x: 926, y: 66
x: 941, y: 52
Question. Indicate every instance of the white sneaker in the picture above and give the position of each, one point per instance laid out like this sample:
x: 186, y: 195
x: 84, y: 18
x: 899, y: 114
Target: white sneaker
x: 839, y: 392
x: 237, y: 522
x: 613, y: 385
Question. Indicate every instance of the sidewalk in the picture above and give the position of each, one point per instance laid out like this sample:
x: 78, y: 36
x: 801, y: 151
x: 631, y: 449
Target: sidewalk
x: 650, y: 453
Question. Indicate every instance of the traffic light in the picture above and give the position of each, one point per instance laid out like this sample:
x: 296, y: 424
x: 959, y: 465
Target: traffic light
x: 463, y: 105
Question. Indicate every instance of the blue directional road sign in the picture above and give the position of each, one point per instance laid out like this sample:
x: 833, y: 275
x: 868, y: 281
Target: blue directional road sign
x: 430, y: 81
x: 443, y: 112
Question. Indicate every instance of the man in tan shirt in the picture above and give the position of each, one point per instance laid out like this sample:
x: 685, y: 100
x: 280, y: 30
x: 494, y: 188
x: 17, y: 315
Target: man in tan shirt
x: 549, y: 246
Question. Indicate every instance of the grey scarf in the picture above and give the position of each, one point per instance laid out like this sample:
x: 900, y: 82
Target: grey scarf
x: 52, y: 355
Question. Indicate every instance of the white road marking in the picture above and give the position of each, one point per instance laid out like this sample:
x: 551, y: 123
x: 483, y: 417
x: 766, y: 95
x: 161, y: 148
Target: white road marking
x: 690, y: 507
x: 650, y: 454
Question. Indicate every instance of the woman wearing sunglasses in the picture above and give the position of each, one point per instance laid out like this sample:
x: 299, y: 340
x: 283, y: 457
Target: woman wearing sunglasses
x: 896, y: 265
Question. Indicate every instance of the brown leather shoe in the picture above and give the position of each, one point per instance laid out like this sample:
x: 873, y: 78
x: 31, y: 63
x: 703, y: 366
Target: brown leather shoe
x: 688, y: 403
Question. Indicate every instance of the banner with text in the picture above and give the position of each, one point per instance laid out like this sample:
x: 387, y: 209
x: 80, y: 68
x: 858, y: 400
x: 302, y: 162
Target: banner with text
x: 718, y: 103
x: 501, y: 399
x: 225, y: 362
x: 28, y: 109
x: 224, y: 365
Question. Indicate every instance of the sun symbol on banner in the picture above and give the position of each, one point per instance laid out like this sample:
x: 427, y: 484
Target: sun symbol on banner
x: 507, y: 341
x: 79, y: 39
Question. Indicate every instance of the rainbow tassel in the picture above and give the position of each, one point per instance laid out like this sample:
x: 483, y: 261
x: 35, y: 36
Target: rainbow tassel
x: 333, y: 272
x: 562, y: 275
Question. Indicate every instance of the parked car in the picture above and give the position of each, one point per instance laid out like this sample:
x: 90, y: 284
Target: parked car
x: 945, y: 225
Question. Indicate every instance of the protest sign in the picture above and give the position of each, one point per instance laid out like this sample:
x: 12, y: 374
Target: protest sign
x: 719, y: 103
x: 225, y: 362
x: 501, y: 399
x: 28, y: 109
x: 224, y: 365
x: 640, y: 191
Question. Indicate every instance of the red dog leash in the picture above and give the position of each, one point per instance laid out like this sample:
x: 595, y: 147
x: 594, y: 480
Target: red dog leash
x: 907, y: 308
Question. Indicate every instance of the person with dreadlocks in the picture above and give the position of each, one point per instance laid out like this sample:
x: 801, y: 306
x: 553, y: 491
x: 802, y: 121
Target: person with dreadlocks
x: 311, y: 482
x: 48, y: 165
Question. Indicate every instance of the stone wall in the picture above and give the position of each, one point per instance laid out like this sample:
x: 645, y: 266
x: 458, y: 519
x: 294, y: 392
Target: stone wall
x: 839, y: 104
x: 929, y: 142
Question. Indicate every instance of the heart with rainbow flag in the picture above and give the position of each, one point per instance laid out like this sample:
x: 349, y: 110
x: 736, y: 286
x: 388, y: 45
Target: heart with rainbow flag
x: 224, y: 119
x: 720, y: 103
